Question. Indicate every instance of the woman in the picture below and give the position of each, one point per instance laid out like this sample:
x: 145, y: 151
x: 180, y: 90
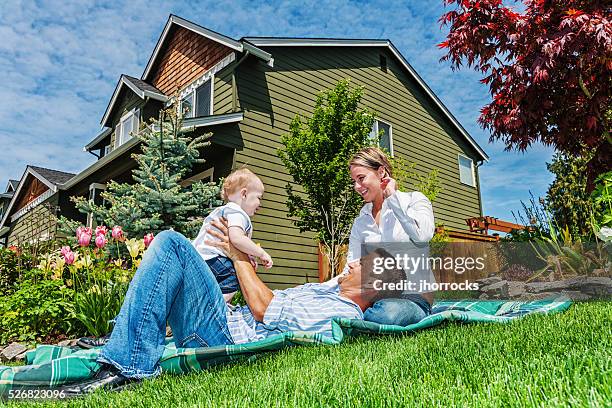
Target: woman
x: 388, y: 215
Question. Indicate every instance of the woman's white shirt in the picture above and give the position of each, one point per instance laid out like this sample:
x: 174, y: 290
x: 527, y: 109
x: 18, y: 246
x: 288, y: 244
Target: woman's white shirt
x: 403, y: 217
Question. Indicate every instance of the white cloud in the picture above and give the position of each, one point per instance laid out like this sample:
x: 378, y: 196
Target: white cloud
x: 60, y: 61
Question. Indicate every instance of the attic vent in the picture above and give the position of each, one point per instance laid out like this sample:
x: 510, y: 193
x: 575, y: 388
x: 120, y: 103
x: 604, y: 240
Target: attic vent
x: 383, y: 63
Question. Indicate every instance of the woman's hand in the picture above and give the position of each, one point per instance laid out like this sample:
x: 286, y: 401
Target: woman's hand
x: 388, y: 186
x: 224, y: 244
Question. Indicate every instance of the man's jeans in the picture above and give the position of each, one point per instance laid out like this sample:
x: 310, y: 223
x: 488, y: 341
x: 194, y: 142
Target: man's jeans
x: 401, y: 312
x: 173, y: 284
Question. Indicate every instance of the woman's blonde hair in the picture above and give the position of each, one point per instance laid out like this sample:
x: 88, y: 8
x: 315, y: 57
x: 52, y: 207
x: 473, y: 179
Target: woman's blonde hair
x: 372, y: 158
x: 237, y: 179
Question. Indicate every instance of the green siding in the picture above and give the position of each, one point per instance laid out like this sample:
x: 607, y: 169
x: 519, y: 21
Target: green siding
x: 222, y: 96
x: 271, y: 97
x: 39, y: 223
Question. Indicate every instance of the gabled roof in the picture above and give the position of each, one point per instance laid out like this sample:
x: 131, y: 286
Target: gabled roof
x: 51, y: 178
x: 101, y: 136
x: 55, y: 177
x: 335, y: 42
x: 12, y: 185
x: 237, y: 45
x: 139, y: 87
x: 212, y: 120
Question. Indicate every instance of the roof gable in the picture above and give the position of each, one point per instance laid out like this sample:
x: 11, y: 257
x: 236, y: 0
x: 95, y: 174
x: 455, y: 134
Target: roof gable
x: 185, y: 57
x: 228, y: 42
x: 138, y: 87
x: 12, y: 185
x: 36, y: 182
x: 333, y: 42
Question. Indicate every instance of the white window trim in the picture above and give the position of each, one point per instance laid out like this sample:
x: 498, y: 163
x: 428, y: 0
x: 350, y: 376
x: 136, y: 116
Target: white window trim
x: 191, y: 89
x: 92, y: 188
x: 375, y: 125
x: 206, y: 174
x: 119, y: 130
x: 208, y: 74
x: 459, y: 155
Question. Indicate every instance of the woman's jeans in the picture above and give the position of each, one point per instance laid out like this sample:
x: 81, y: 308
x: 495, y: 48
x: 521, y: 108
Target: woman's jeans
x: 173, y: 284
x: 400, y: 312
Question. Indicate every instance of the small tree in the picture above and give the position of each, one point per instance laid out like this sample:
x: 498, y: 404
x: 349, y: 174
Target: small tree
x: 567, y: 199
x: 158, y: 201
x: 408, y: 178
x: 316, y: 155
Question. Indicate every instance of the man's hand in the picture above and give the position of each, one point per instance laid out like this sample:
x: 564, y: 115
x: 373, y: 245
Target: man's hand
x: 224, y: 244
x: 253, y: 262
x: 257, y: 295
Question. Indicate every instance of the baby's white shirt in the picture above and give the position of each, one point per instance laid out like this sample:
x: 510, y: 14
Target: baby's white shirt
x: 235, y: 216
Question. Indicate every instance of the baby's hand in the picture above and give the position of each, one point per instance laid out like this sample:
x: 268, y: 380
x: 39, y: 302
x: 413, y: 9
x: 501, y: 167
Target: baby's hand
x: 266, y: 260
x: 253, y: 262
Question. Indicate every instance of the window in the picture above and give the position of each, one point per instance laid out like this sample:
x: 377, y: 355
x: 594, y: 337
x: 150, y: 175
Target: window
x: 198, y: 102
x: 466, y: 171
x: 95, y: 190
x: 187, y: 105
x: 384, y: 131
x: 127, y: 124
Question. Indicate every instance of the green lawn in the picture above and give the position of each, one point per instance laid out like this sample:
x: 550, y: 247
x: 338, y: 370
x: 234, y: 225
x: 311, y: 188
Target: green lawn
x: 558, y: 360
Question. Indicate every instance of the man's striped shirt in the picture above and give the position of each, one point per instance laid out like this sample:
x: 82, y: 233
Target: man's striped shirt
x: 308, y: 307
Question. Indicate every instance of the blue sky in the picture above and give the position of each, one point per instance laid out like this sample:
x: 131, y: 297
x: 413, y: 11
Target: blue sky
x: 60, y: 62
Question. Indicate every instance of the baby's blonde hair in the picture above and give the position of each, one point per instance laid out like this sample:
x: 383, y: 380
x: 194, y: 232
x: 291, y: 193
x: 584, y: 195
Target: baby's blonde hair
x: 237, y: 179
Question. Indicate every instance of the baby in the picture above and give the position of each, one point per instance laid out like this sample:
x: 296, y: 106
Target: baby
x: 242, y: 191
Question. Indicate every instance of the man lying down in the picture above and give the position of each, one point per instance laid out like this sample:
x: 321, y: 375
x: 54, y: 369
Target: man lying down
x: 174, y: 285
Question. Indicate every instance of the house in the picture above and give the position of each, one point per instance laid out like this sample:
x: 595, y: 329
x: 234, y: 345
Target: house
x: 247, y: 91
x: 29, y: 206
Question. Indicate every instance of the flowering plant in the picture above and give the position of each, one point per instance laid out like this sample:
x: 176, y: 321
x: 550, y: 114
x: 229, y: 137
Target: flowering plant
x: 97, y: 273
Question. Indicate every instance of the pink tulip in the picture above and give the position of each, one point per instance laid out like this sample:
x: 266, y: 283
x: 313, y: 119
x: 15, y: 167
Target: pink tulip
x: 65, y: 250
x: 84, y: 239
x: 69, y: 257
x: 101, y: 241
x: 117, y: 233
x: 81, y: 230
x: 101, y: 230
x: 148, y: 239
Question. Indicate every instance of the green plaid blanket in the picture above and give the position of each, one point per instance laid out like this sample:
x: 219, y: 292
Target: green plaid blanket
x: 52, y: 366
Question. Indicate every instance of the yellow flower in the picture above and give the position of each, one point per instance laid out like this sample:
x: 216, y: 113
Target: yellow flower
x: 94, y: 289
x: 69, y: 282
x: 59, y: 265
x: 118, y: 262
x: 134, y: 246
x: 82, y: 261
x: 44, y: 265
x: 137, y: 262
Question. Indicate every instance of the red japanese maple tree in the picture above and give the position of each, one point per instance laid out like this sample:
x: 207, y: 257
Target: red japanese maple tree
x: 548, y: 69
